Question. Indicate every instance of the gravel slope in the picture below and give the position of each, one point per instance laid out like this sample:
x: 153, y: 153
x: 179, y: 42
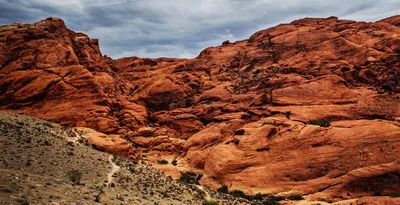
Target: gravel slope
x: 39, y: 166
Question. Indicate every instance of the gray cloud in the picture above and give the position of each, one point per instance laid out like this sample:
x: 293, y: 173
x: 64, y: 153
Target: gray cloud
x: 182, y: 28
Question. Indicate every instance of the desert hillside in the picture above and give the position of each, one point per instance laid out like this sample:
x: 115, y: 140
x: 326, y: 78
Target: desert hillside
x: 45, y: 163
x: 310, y: 108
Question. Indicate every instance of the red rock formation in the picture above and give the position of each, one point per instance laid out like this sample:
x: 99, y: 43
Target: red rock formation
x: 54, y: 73
x: 311, y: 107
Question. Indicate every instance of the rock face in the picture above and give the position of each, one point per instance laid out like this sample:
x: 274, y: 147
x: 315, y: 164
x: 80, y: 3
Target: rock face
x: 311, y: 107
x: 56, y: 74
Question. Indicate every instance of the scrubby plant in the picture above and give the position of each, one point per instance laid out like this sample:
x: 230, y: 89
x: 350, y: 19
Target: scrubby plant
x: 190, y: 178
x: 163, y: 161
x: 258, y: 196
x: 270, y: 201
x: 98, y: 196
x: 295, y: 197
x: 223, y: 189
x: 321, y: 123
x: 48, y: 124
x: 206, y: 202
x: 132, y: 169
x: 276, y: 198
x: 96, y: 147
x: 174, y: 162
x: 74, y: 176
x: 238, y: 193
x: 134, y: 161
x: 395, y: 195
x: 24, y: 202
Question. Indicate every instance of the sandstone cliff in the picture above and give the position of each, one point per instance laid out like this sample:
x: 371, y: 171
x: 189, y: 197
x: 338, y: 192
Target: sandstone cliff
x: 311, y: 107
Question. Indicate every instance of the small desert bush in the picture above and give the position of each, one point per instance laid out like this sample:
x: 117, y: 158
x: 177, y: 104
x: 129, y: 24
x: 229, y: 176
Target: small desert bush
x: 223, y: 189
x: 190, y: 178
x: 132, y: 169
x: 163, y: 161
x: 321, y: 123
x: 270, y: 201
x: 295, y: 197
x: 238, y: 193
x: 206, y: 202
x: 74, y: 176
x: 174, y: 162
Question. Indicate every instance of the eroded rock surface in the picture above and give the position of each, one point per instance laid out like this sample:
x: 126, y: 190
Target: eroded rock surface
x: 310, y: 107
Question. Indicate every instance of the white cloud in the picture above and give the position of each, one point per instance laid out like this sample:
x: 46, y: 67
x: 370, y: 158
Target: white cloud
x: 182, y: 28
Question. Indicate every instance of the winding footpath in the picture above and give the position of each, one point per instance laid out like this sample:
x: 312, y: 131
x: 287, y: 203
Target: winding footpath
x: 115, y: 168
x: 207, y: 197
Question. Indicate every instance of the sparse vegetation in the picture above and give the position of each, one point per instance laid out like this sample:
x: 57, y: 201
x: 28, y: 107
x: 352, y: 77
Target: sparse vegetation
x: 134, y: 161
x: 20, y: 123
x: 258, y: 198
x: 395, y: 195
x: 321, y: 123
x: 98, y: 196
x: 87, y: 170
x: 190, y: 178
x: 46, y: 143
x: 48, y: 124
x: 132, y: 169
x: 265, y: 99
x: 270, y: 201
x: 205, y: 202
x: 226, y: 42
x: 74, y: 176
x: 96, y: 148
x: 174, y: 162
x: 295, y: 197
x: 163, y: 161
x: 223, y: 189
x: 238, y: 193
x: 24, y: 202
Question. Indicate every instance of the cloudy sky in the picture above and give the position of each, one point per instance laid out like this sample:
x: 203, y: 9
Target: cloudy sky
x: 182, y: 28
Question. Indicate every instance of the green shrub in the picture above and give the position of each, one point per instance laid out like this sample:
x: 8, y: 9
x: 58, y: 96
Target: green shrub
x: 277, y: 198
x: 258, y: 196
x: 190, y: 178
x: 270, y: 201
x: 74, y: 176
x: 96, y: 147
x: 174, y: 162
x: 395, y: 195
x: 241, y: 194
x: 132, y: 169
x: 223, y: 189
x: 199, y: 177
x: 163, y: 161
x: 321, y: 123
x: 238, y: 193
x: 206, y: 202
x: 20, y: 123
x: 295, y: 197
x: 134, y: 161
x: 24, y: 202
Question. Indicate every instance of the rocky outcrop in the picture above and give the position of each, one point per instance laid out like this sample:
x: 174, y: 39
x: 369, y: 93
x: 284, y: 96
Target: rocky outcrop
x: 277, y: 155
x: 51, y: 72
x: 310, y: 107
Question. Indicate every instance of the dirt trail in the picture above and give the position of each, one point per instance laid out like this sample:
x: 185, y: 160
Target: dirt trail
x: 207, y: 197
x: 115, y: 168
